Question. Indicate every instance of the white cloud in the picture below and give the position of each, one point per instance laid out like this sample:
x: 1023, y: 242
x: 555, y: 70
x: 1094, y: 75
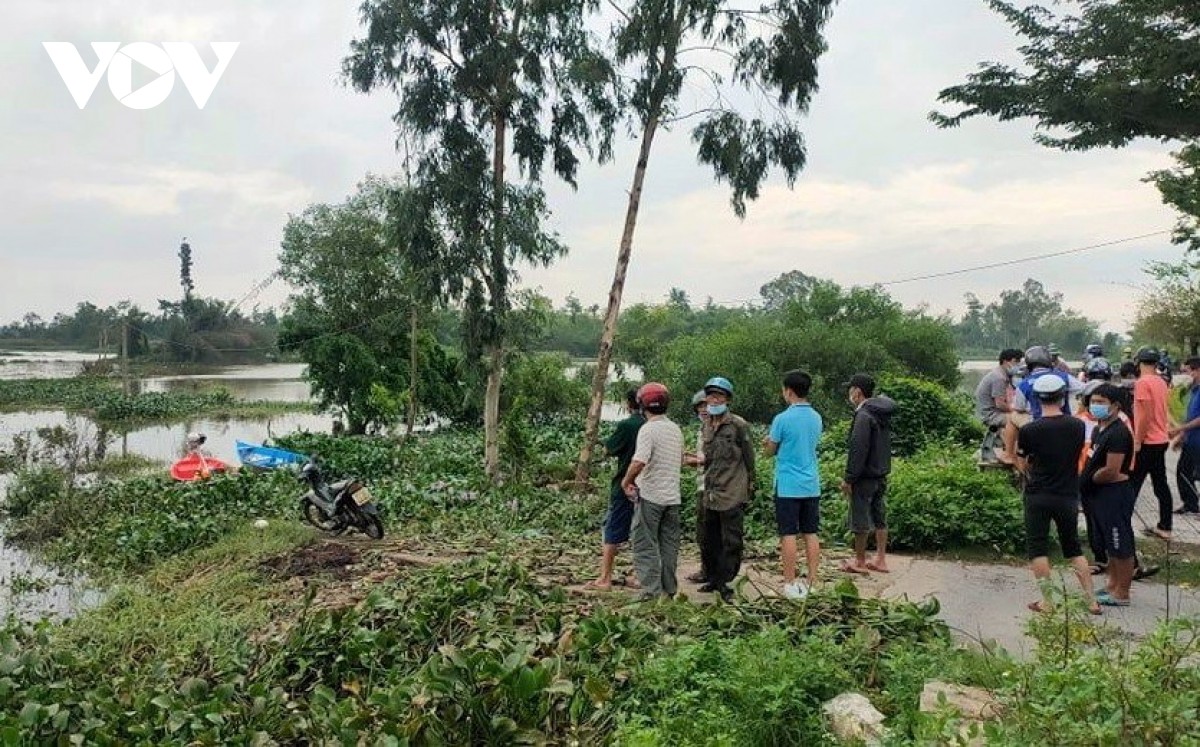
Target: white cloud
x: 157, y: 191
x: 932, y: 218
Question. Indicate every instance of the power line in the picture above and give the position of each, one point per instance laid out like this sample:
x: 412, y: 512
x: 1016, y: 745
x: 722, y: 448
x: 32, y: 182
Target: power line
x: 988, y: 266
x: 1022, y: 260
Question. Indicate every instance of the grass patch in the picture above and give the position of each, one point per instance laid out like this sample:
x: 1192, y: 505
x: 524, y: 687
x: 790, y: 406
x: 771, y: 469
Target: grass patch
x: 1180, y: 568
x: 120, y: 467
x: 193, y: 608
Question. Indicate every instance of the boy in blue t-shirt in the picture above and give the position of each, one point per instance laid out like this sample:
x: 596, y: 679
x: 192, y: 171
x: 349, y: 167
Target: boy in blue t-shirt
x: 793, y: 440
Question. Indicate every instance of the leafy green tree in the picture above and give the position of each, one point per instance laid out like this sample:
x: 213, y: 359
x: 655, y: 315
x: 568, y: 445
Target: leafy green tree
x: 770, y: 50
x: 474, y: 80
x: 1020, y: 317
x: 1112, y: 72
x: 1170, y: 313
x: 347, y: 317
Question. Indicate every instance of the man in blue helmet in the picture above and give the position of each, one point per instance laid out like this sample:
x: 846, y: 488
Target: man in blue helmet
x: 1026, y: 406
x: 728, y: 486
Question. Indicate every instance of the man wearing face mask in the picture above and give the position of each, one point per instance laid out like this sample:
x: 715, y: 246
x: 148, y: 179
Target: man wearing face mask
x: 992, y: 404
x: 1105, y: 484
x: 728, y: 486
x: 868, y: 464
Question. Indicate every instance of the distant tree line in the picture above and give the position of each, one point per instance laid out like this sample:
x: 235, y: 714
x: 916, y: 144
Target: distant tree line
x: 1029, y: 315
x: 194, y: 330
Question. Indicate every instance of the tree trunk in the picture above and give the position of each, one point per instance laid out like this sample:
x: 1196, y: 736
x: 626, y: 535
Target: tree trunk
x: 491, y: 411
x: 412, y: 371
x: 604, y: 355
x: 499, y: 303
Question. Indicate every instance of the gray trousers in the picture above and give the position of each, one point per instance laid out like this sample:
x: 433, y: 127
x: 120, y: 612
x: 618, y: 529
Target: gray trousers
x: 656, y: 534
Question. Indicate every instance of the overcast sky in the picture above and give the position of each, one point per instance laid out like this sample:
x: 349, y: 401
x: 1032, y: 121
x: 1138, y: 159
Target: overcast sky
x: 95, y: 201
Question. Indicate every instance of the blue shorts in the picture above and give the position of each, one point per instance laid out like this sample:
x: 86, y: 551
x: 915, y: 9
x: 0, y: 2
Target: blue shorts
x: 619, y: 518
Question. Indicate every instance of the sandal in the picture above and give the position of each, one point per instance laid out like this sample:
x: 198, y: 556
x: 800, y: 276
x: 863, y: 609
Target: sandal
x: 1108, y: 600
x: 1144, y: 572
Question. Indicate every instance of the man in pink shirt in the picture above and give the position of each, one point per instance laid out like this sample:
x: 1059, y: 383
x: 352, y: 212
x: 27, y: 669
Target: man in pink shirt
x: 1150, y: 425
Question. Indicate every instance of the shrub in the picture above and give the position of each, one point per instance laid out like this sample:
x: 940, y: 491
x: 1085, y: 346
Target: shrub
x: 537, y: 386
x: 939, y: 499
x: 758, y: 690
x: 35, y: 486
x: 927, y: 413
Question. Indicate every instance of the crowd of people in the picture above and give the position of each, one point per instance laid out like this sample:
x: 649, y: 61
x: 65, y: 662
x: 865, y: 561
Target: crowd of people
x: 646, y: 497
x: 1087, y: 441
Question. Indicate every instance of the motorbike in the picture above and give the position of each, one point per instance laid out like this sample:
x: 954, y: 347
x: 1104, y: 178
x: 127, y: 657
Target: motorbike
x: 339, y: 506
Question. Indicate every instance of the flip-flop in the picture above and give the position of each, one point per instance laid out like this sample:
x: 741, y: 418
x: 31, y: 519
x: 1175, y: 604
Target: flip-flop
x: 1145, y: 572
x: 848, y: 567
x: 1109, y: 600
x: 871, y: 566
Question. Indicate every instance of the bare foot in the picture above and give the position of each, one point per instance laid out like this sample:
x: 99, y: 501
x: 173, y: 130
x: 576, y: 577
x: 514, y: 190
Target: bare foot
x: 878, y: 566
x: 849, y: 567
x: 598, y: 585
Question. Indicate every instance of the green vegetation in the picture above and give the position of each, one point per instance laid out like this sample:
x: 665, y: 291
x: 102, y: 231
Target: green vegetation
x: 1025, y: 316
x: 103, y: 400
x: 197, y: 331
x: 219, y: 632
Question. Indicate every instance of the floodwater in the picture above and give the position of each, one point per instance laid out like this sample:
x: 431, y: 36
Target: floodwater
x: 29, y: 588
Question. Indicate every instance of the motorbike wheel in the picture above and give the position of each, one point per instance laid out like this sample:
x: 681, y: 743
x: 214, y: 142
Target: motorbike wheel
x: 367, y: 523
x: 372, y: 527
x: 313, y: 515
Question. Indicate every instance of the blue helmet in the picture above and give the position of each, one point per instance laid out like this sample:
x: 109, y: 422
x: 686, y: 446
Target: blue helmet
x: 720, y: 383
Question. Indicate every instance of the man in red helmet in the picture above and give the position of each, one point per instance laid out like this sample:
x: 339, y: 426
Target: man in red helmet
x: 652, y: 483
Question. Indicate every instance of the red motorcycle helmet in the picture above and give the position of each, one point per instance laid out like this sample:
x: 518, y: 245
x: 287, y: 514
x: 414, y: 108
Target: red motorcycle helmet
x: 654, y: 397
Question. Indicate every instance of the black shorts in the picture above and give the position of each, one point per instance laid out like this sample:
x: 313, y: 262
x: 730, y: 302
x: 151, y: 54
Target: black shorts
x: 1112, y: 510
x: 797, y: 516
x: 868, y: 510
x: 1040, y: 510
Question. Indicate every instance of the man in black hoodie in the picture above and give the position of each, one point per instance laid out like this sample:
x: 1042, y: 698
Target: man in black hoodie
x: 867, y: 466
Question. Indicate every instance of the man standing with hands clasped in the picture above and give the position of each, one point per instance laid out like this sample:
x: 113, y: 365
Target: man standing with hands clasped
x: 652, y: 483
x: 728, y: 485
x: 868, y: 464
